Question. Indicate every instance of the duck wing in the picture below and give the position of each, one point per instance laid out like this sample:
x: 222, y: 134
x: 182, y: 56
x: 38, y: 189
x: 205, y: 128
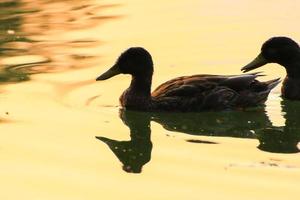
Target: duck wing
x: 201, y: 92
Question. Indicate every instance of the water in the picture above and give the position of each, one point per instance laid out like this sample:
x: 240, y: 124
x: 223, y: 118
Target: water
x: 63, y: 135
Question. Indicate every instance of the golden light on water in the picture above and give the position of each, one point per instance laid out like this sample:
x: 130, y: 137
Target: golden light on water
x: 51, y: 111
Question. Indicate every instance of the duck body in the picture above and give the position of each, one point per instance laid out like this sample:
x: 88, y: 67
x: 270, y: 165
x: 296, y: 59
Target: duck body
x: 211, y: 92
x: 285, y: 52
x: 186, y: 93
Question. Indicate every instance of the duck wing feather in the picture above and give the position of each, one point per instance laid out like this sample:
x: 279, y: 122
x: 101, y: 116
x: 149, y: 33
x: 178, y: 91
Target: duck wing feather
x: 200, y: 92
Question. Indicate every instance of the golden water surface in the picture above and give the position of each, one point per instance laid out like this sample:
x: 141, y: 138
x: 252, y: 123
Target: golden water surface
x: 63, y: 135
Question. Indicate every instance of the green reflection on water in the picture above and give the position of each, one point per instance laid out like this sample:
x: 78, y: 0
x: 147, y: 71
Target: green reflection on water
x: 253, y: 124
x: 283, y: 139
x: 25, y: 32
x: 10, y: 23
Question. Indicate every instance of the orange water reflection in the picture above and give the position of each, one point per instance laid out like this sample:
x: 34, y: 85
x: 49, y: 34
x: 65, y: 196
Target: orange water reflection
x: 52, y: 37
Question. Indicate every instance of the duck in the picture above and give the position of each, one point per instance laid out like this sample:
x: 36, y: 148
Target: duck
x: 285, y: 52
x: 186, y: 93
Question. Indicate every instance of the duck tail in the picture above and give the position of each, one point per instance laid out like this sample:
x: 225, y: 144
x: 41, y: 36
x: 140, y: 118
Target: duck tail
x: 258, y: 92
x: 272, y: 83
x: 269, y: 85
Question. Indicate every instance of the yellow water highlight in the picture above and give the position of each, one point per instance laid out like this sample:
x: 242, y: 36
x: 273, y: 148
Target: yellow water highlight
x: 48, y: 125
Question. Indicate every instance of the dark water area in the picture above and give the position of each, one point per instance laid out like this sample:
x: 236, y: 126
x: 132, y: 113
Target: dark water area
x: 253, y: 124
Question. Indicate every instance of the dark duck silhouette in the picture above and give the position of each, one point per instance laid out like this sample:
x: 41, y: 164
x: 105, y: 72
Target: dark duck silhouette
x: 136, y: 152
x: 186, y: 93
x: 286, y: 52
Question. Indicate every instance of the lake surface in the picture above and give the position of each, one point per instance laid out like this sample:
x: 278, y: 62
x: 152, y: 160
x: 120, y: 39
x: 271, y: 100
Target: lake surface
x: 64, y: 136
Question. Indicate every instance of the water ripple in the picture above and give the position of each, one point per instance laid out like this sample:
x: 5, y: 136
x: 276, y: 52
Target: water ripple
x: 54, y: 37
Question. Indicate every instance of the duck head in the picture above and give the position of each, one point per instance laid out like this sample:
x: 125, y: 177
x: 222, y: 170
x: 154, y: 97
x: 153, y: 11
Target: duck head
x: 135, y: 61
x: 280, y: 50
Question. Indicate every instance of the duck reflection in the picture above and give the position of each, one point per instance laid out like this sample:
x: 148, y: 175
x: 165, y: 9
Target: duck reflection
x: 136, y: 152
x: 283, y: 139
x: 225, y: 124
x: 251, y: 124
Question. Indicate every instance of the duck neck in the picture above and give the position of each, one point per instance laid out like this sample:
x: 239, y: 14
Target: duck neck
x: 292, y: 65
x: 141, y: 86
x: 138, y: 95
x: 293, y: 69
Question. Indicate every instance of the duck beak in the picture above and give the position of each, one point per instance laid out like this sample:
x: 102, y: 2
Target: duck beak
x: 256, y: 63
x: 113, y: 71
